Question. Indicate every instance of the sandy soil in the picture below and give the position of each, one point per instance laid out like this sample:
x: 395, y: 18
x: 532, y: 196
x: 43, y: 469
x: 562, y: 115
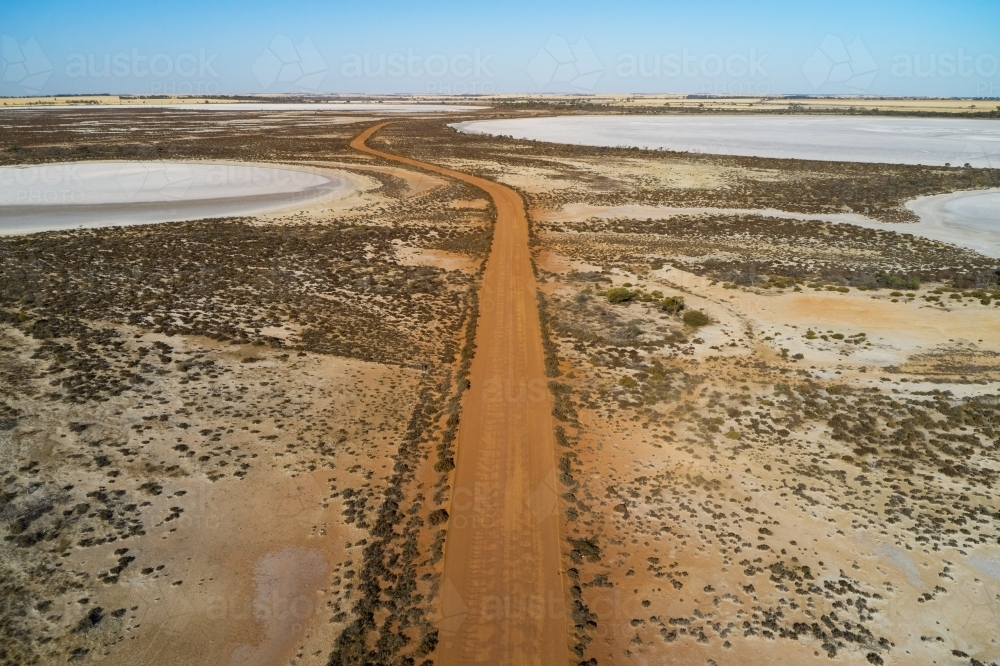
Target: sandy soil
x: 255, y: 441
x: 776, y: 437
x: 583, y: 211
x: 942, y: 217
x: 680, y: 505
x: 229, y: 568
x: 199, y: 451
x: 502, y: 590
x: 417, y: 181
x: 450, y: 261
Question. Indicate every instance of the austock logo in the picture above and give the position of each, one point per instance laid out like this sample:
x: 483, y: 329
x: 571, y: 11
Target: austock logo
x: 165, y: 180
x: 25, y: 64
x: 559, y: 62
x: 300, y: 65
x: 834, y: 62
x: 184, y: 74
x: 414, y: 65
x: 138, y: 65
x: 520, y: 390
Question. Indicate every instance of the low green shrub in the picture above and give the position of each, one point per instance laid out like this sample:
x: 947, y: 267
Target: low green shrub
x: 696, y: 318
x: 619, y: 295
x: 899, y: 281
x: 672, y: 304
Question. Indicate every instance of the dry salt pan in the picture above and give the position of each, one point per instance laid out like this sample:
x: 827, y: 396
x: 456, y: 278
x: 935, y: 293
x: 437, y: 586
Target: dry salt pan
x: 929, y: 141
x: 94, y: 194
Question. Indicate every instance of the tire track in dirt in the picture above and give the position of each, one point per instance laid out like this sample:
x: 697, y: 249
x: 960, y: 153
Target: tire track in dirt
x: 502, y: 594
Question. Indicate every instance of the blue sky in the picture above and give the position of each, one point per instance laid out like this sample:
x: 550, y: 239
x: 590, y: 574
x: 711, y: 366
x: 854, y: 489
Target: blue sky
x: 919, y: 47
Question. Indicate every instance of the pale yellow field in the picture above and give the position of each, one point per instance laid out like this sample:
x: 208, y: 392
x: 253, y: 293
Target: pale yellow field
x: 776, y: 102
x: 105, y: 100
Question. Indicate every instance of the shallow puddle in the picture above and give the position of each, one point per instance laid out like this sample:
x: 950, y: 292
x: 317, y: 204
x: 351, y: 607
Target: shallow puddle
x: 286, y: 583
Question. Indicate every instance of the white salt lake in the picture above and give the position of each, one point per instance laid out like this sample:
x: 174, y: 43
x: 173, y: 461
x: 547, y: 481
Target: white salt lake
x: 929, y: 141
x: 95, y: 194
x: 966, y: 219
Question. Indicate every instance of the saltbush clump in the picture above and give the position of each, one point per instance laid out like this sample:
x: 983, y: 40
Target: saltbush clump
x: 619, y: 295
x: 696, y: 318
x: 899, y: 281
x: 672, y: 304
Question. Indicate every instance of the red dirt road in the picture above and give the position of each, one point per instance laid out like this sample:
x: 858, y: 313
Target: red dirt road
x: 502, y: 593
